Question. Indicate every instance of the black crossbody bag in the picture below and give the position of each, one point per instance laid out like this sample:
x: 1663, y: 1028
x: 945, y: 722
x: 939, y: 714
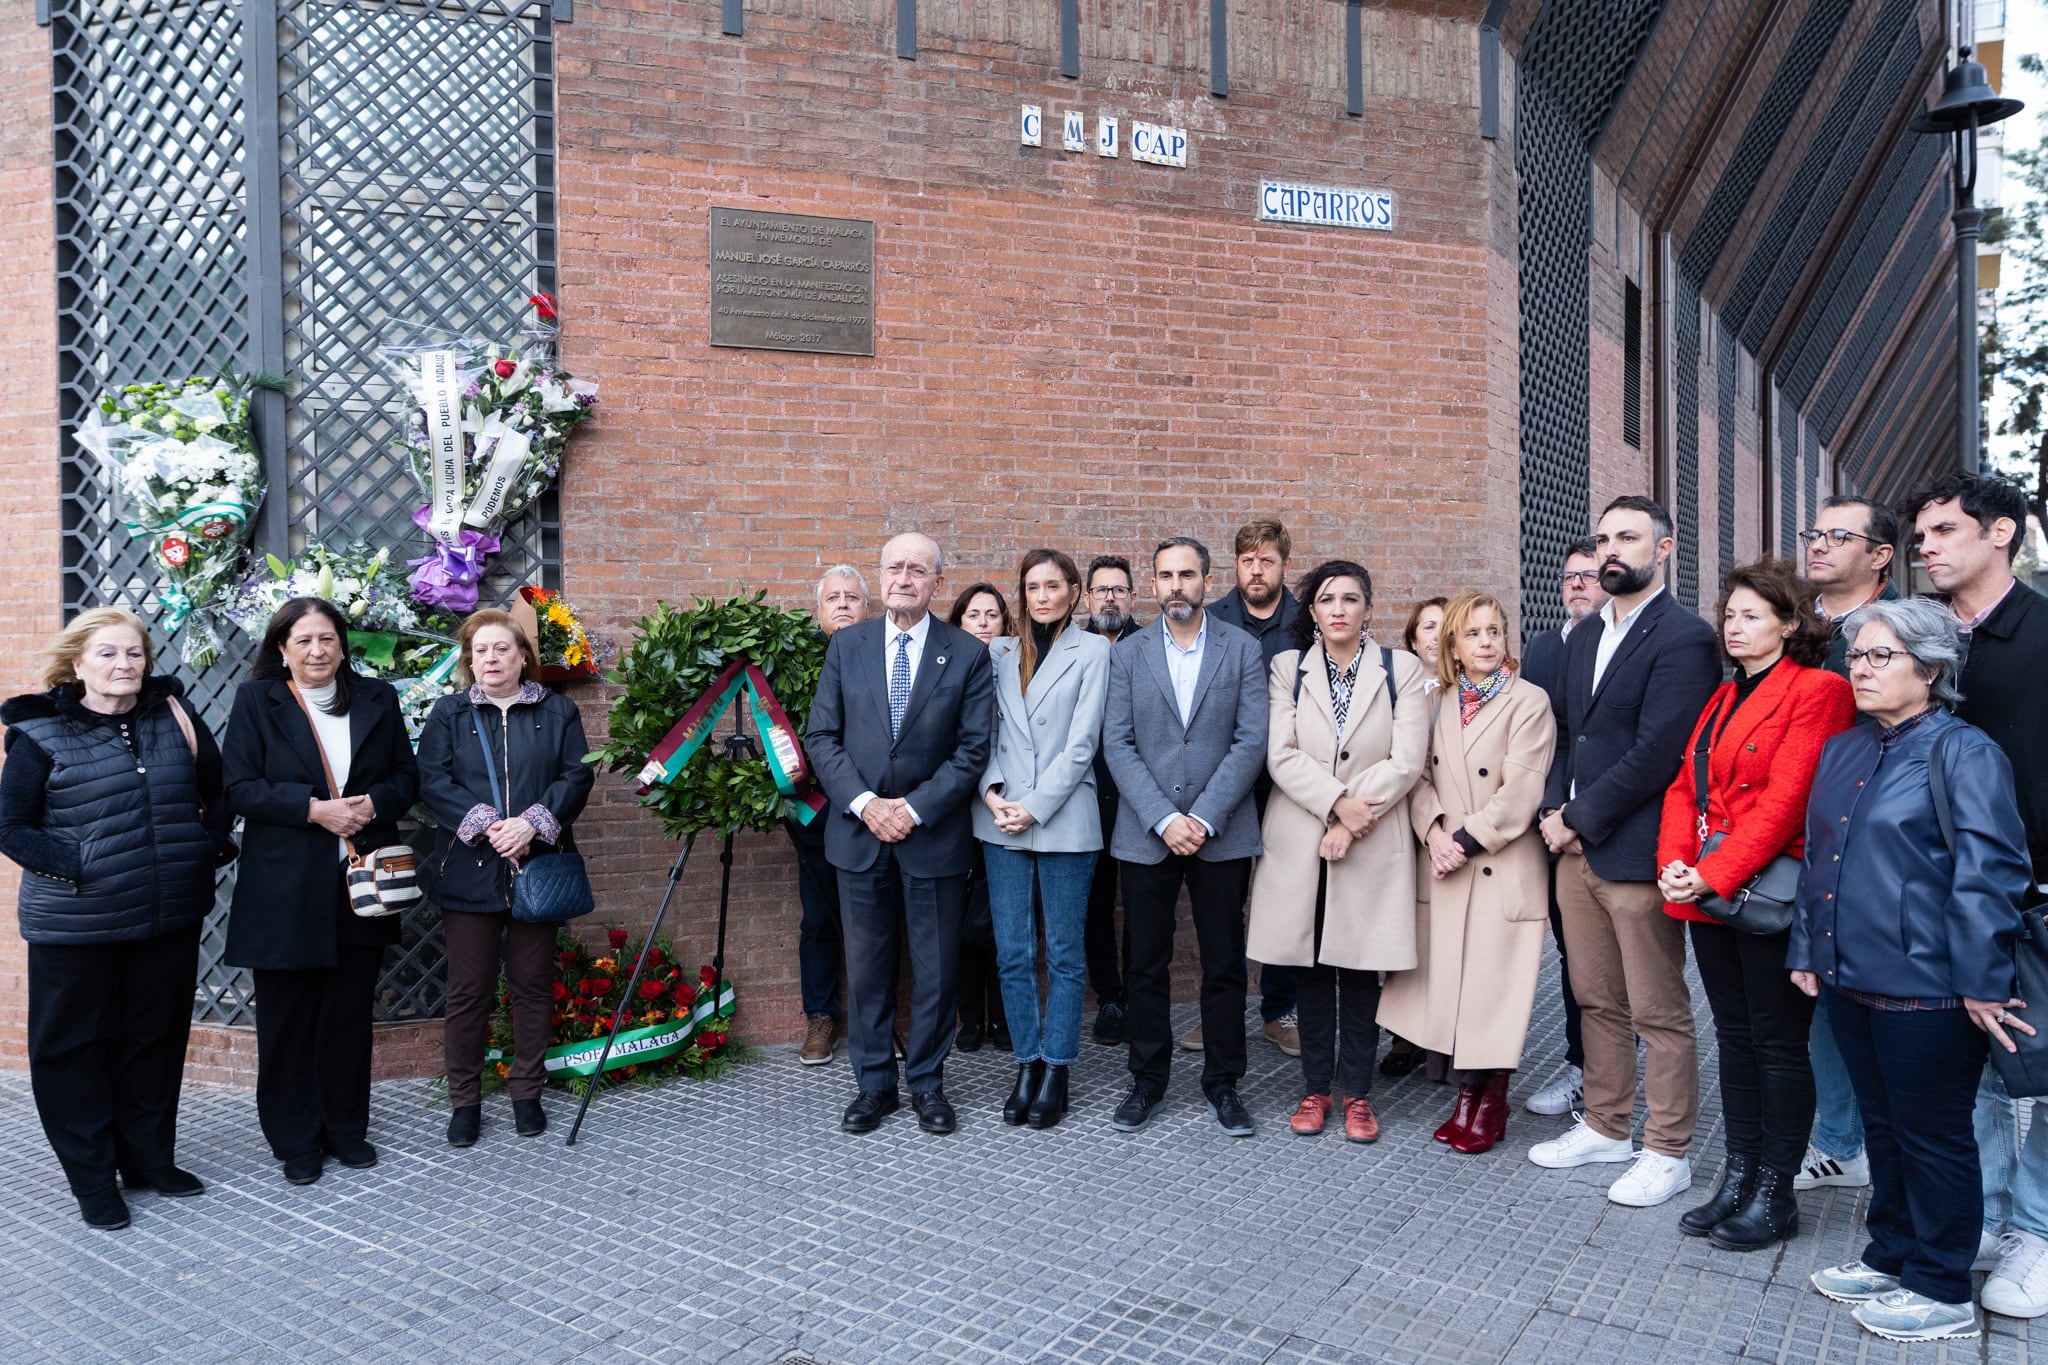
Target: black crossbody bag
x: 1763, y: 904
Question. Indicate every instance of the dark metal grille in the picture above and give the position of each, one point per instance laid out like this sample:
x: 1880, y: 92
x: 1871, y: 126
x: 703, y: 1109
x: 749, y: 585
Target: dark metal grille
x: 1686, y: 378
x: 1881, y: 316
x: 1788, y: 474
x: 1810, y: 448
x: 268, y: 184
x: 1724, y: 436
x: 1632, y: 364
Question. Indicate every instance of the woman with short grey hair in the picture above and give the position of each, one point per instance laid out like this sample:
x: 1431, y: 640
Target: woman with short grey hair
x: 1907, y: 919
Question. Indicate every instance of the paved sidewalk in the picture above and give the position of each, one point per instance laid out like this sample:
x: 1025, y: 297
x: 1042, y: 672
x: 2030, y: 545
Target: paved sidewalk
x: 733, y: 1222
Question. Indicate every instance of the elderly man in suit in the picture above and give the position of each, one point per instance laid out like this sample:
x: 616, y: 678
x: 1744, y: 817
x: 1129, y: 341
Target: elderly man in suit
x: 899, y: 736
x: 1185, y: 733
x: 1636, y: 678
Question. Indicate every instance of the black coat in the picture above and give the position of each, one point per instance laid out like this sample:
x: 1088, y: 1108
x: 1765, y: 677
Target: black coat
x: 2001, y: 685
x: 288, y: 893
x: 1543, y: 660
x: 538, y: 748
x: 1624, y: 744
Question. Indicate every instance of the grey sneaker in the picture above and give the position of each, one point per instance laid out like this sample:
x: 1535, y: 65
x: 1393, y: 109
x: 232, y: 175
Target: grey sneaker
x: 1853, y: 1283
x: 1903, y: 1315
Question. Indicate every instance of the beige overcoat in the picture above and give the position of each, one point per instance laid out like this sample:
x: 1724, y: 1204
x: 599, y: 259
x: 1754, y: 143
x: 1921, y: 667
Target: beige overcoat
x: 1479, y: 931
x: 1369, y: 914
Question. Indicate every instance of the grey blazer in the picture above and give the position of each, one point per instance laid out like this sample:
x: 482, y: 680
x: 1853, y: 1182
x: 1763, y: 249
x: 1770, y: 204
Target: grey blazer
x: 1045, y: 743
x: 1205, y: 768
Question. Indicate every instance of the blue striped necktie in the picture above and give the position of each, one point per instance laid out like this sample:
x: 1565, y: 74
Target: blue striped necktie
x: 899, y: 683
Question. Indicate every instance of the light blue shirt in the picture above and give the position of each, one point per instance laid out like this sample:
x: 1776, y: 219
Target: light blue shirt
x: 1184, y: 668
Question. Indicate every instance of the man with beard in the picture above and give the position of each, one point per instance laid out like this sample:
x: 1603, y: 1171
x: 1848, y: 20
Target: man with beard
x: 842, y: 601
x: 1109, y: 615
x: 1185, y: 732
x: 1632, y: 691
x: 1262, y: 607
x: 1543, y: 664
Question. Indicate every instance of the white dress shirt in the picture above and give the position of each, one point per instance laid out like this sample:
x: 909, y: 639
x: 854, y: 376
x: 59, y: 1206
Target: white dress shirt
x: 1184, y: 670
x: 1612, y: 633
x: 917, y: 635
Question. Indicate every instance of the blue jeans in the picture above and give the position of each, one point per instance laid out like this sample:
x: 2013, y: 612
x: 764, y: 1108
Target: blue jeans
x: 1062, y: 880
x: 2015, y: 1177
x: 1837, y: 1122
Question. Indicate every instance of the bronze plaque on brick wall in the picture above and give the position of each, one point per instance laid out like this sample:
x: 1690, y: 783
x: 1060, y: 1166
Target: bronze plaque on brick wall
x: 791, y: 282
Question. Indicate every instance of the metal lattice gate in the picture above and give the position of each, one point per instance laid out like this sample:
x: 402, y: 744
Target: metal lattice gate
x: 271, y: 184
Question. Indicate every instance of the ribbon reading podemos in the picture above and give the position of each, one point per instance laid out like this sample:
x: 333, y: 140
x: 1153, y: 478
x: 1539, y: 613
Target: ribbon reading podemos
x: 778, y: 738
x: 502, y: 452
x: 441, y: 396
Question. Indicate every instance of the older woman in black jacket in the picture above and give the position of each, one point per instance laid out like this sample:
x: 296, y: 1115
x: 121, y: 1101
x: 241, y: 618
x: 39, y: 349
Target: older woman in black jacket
x: 111, y: 803
x: 1909, y: 928
x: 303, y: 714
x: 492, y: 815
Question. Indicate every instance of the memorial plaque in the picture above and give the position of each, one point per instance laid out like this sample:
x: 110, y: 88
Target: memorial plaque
x: 791, y: 282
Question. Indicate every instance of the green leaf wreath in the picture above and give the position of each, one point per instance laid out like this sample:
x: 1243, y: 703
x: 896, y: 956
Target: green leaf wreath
x: 679, y: 654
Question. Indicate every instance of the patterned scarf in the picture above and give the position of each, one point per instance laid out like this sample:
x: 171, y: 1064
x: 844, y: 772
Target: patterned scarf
x: 1472, y: 696
x: 1341, y: 685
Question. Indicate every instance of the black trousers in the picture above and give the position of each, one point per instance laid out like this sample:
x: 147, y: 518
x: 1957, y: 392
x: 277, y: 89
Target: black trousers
x: 1761, y: 1023
x: 977, y: 984
x: 880, y: 908
x: 313, y: 1052
x: 107, y: 1024
x: 1574, y: 1040
x: 820, y: 948
x: 1100, y: 940
x: 1915, y: 1074
x: 1216, y: 891
x: 1337, y: 1012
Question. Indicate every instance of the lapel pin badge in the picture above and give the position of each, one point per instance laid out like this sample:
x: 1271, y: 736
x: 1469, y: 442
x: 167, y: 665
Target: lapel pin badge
x: 941, y: 659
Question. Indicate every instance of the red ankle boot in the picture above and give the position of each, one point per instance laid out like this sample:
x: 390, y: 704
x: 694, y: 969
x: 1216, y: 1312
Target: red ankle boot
x: 1489, y: 1119
x: 1459, y: 1124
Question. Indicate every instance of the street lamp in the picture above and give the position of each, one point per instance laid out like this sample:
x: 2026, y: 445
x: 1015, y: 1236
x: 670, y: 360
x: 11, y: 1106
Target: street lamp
x: 1967, y: 103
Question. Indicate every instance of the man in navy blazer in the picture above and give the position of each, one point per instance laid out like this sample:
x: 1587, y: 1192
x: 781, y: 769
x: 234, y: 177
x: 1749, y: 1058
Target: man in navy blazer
x: 1635, y: 680
x: 899, y: 737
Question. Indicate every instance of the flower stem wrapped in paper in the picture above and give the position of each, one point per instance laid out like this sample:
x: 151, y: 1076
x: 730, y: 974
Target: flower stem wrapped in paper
x: 186, y: 474
x: 390, y: 635
x: 486, y: 423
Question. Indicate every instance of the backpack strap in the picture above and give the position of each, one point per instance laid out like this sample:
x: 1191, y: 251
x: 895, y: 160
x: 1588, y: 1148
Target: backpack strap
x: 185, y: 725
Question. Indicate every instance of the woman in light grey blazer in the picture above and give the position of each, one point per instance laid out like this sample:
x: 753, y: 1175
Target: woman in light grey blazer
x: 1040, y: 827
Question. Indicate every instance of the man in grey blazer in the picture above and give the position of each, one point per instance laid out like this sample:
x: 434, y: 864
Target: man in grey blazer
x: 1184, y: 732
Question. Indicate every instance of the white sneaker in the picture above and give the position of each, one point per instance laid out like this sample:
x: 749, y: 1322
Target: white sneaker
x: 1566, y: 1092
x: 1992, y: 1247
x: 1580, y: 1146
x: 1652, y: 1180
x: 1851, y: 1172
x: 2019, y: 1287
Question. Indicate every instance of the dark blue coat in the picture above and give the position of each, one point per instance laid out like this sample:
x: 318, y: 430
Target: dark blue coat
x: 1883, y: 907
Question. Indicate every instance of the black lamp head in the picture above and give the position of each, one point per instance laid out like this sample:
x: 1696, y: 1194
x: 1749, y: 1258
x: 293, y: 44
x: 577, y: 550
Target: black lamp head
x: 1964, y: 91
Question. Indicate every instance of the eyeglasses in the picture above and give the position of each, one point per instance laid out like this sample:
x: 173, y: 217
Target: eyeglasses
x: 1879, y: 656
x: 1579, y: 578
x: 1109, y: 592
x: 1836, y: 536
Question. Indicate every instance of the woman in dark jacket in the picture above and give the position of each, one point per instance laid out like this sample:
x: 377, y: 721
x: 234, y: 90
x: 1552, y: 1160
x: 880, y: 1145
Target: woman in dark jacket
x: 1911, y: 936
x: 110, y: 801
x: 302, y: 713
x: 1756, y: 746
x: 484, y: 832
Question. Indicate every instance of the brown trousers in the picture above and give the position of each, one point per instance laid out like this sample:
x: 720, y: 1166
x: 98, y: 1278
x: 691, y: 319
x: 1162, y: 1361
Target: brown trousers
x: 473, y: 996
x: 1628, y: 970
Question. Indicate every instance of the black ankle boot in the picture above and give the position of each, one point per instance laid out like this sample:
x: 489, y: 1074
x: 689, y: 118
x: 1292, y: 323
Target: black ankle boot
x: 1738, y: 1176
x: 1049, y: 1106
x: 1768, y: 1216
x: 464, y: 1125
x: 1017, y: 1108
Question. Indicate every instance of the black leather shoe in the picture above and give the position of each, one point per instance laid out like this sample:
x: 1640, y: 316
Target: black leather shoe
x: 868, y: 1110
x: 104, y: 1209
x: 1049, y: 1105
x: 969, y: 1038
x: 1736, y: 1174
x: 1768, y: 1216
x: 165, y: 1180
x: 1402, y: 1060
x: 999, y: 1033
x: 302, y: 1170
x: 464, y: 1125
x: 1017, y: 1108
x: 528, y: 1118
x: 1137, y: 1109
x: 1109, y: 1024
x: 935, y: 1112
x: 353, y: 1153
x: 1230, y: 1111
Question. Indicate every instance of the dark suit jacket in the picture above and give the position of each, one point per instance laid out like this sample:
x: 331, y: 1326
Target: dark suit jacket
x: 1624, y: 743
x: 288, y: 887
x: 2001, y: 683
x: 936, y: 762
x: 1543, y: 661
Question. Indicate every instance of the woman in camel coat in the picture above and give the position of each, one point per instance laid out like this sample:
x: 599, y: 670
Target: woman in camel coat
x: 1334, y: 893
x: 1483, y: 875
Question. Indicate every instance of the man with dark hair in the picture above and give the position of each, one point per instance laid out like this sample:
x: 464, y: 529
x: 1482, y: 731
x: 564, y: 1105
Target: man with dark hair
x: 1108, y: 585
x: 1262, y: 607
x: 1632, y: 690
x: 1185, y: 731
x: 1543, y: 664
x: 1968, y: 529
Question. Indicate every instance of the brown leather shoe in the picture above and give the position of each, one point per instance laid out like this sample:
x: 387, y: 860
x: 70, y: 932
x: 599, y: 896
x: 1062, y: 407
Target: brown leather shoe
x: 1314, y: 1112
x: 1284, y: 1034
x: 821, y: 1037
x: 1360, y: 1123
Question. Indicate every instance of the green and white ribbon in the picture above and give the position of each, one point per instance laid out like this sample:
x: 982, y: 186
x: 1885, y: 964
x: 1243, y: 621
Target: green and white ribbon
x: 631, y: 1047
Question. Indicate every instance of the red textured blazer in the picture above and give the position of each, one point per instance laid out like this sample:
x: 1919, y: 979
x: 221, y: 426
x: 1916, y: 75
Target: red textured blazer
x: 1758, y: 775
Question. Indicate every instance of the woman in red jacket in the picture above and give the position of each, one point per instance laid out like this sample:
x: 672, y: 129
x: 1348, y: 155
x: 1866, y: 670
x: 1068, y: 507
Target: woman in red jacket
x: 1760, y: 739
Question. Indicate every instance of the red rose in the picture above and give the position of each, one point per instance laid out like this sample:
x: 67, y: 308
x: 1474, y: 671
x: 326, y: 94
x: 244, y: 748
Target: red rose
x: 651, y: 990
x: 684, y: 995
x: 561, y: 993
x: 568, y: 962
x: 503, y: 369
x: 707, y: 976
x: 600, y: 985
x: 544, y: 305
x: 655, y: 957
x: 617, y: 938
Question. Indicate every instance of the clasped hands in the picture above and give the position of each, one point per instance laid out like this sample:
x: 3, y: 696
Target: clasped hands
x: 1559, y: 837
x: 1011, y: 818
x: 1350, y: 820
x: 888, y: 819
x: 1446, y: 854
x: 345, y: 816
x: 1681, y: 884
